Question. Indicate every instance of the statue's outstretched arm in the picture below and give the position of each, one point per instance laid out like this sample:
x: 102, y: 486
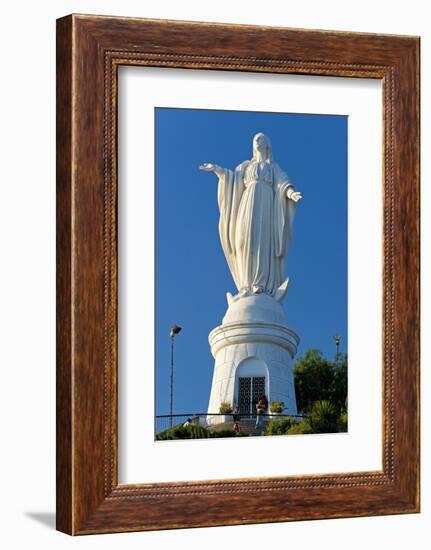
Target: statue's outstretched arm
x: 282, y: 177
x: 208, y: 167
x: 293, y: 195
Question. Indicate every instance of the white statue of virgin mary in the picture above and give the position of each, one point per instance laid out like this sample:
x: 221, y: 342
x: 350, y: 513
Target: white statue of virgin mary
x: 257, y: 205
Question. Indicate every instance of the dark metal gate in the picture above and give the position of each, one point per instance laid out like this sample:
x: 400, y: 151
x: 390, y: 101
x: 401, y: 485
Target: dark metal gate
x: 250, y: 389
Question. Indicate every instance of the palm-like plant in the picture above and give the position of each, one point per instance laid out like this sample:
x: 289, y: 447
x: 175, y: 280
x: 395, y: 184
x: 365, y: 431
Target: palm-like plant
x: 323, y: 417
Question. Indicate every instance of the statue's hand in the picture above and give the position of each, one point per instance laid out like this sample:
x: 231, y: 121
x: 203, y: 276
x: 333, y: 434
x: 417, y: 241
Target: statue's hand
x: 207, y: 167
x: 295, y: 196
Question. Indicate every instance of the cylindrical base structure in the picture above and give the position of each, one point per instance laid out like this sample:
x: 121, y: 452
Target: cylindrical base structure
x: 253, y: 351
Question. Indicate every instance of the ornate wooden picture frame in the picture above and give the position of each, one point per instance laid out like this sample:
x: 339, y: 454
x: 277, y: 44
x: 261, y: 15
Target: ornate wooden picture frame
x: 89, y: 51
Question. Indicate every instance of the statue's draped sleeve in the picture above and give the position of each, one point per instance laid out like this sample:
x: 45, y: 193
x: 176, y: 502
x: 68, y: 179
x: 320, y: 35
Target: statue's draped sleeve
x: 284, y: 212
x: 230, y: 189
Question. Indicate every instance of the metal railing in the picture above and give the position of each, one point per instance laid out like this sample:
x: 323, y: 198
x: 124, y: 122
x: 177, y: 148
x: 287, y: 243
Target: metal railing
x: 165, y: 421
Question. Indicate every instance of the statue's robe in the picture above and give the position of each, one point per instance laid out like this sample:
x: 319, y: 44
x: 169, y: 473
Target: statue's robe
x: 255, y: 226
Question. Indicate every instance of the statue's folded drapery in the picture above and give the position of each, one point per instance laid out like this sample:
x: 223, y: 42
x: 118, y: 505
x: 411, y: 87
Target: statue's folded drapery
x: 256, y: 218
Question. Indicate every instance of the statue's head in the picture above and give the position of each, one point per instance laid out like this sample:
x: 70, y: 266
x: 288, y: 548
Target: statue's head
x: 262, y: 146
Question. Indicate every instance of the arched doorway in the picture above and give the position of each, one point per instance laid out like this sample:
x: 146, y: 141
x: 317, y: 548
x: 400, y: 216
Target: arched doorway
x: 251, y: 382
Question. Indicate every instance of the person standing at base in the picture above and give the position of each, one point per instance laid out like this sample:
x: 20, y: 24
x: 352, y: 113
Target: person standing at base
x: 236, y: 418
x: 261, y: 408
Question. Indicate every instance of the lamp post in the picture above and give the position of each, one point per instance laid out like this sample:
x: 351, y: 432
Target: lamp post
x: 337, y: 339
x: 174, y: 331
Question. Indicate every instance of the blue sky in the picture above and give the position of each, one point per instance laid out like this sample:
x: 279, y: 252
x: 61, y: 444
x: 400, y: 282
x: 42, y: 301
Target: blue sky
x: 192, y: 276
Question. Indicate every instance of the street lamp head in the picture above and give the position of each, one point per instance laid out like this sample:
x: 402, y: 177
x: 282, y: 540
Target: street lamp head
x: 175, y: 330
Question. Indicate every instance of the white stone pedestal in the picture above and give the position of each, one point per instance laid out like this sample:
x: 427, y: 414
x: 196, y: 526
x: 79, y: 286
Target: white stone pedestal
x: 253, y: 341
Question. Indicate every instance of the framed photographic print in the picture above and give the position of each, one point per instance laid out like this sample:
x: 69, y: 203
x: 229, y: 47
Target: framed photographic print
x: 237, y: 274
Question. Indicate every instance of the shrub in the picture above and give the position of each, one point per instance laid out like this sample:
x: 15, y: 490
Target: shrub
x: 302, y: 427
x: 276, y: 407
x: 198, y: 432
x: 279, y: 426
x: 225, y: 408
x: 226, y: 433
x: 194, y: 432
x: 342, y: 422
x: 183, y: 432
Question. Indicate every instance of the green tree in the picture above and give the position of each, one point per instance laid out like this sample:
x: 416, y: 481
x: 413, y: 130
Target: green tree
x: 319, y: 379
x: 338, y: 389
